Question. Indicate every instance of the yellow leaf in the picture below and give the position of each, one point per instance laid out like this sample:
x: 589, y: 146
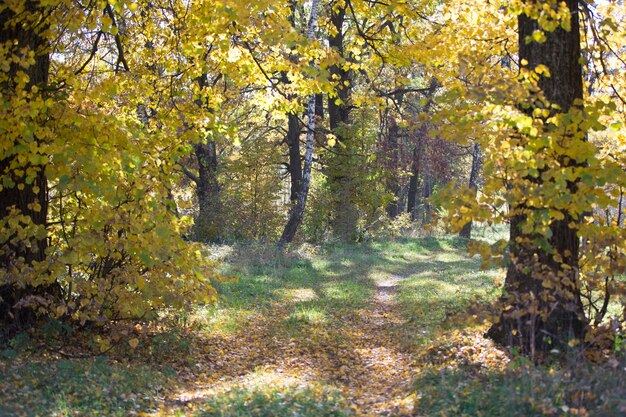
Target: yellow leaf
x: 133, y: 342
x: 573, y: 342
x: 106, y: 21
x: 105, y: 344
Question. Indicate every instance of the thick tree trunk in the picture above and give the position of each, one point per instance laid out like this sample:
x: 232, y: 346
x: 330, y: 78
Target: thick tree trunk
x: 339, y: 169
x: 207, y: 224
x: 292, y: 138
x: 297, y: 210
x: 28, y: 196
x: 300, y: 189
x: 544, y: 306
x: 466, y: 232
x: 420, y: 142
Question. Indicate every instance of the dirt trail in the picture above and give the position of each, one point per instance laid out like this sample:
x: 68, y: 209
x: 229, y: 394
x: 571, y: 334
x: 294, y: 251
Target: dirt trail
x: 390, y: 369
x: 357, y: 353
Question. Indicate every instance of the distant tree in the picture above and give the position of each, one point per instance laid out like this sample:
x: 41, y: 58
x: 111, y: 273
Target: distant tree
x: 466, y: 231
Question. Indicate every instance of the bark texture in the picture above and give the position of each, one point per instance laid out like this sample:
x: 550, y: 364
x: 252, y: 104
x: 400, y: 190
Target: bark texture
x: 207, y: 224
x: 416, y: 168
x: 392, y: 150
x: 340, y: 178
x: 295, y: 159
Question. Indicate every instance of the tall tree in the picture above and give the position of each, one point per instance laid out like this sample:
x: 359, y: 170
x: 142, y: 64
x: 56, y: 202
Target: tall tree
x: 339, y: 169
x: 419, y: 144
x: 391, y: 147
x: 416, y: 165
x: 542, y: 282
x: 24, y: 188
x: 301, y: 191
x: 206, y: 225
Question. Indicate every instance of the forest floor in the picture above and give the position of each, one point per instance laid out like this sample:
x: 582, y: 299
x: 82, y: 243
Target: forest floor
x: 377, y: 329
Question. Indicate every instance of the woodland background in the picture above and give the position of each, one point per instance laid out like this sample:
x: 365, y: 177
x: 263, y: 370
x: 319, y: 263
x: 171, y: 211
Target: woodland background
x: 165, y: 163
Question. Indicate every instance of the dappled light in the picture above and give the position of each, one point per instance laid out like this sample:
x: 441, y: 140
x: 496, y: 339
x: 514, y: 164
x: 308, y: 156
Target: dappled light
x: 312, y: 208
x: 297, y: 295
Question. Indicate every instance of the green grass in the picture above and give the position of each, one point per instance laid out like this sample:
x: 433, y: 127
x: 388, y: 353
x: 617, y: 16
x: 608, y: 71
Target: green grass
x: 277, y: 401
x: 316, y: 286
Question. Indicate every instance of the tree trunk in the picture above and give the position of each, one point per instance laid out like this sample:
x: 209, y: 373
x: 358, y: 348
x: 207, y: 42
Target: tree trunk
x: 466, y: 232
x: 295, y: 162
x: 292, y: 138
x: 302, y: 186
x: 427, y: 192
x: 297, y: 210
x: 543, y: 307
x: 392, y: 165
x: 207, y: 226
x: 420, y: 141
x: 28, y: 194
x: 411, y: 207
x: 340, y: 165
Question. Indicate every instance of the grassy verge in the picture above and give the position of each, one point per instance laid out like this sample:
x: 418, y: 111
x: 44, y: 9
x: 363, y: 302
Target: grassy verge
x: 576, y: 389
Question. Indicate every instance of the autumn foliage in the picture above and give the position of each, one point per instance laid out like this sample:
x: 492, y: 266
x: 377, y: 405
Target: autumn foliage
x: 134, y: 132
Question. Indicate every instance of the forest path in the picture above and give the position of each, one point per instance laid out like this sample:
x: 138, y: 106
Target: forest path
x: 344, y: 354
x: 391, y: 369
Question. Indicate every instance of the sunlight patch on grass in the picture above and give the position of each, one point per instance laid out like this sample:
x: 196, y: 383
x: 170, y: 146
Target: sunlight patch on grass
x: 448, y: 257
x: 265, y: 279
x: 266, y: 391
x: 296, y: 295
x: 346, y: 263
x: 259, y: 379
x: 428, y: 287
x: 309, y: 315
x: 315, y: 401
